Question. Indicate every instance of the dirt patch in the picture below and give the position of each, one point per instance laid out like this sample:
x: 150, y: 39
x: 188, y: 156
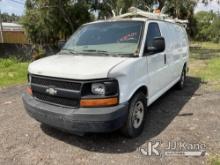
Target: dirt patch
x: 191, y: 115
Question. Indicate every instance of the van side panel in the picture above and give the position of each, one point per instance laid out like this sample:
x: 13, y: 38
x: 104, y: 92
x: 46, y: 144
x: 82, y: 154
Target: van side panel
x: 169, y: 41
x: 176, y: 47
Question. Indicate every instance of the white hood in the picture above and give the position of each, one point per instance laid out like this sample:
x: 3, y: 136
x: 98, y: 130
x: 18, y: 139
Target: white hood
x: 75, y: 67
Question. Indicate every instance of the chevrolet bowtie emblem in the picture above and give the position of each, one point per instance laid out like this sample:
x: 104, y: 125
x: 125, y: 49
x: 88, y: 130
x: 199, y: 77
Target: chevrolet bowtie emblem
x: 51, y: 91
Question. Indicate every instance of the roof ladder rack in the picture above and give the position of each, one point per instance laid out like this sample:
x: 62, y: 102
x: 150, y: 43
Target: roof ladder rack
x: 135, y: 12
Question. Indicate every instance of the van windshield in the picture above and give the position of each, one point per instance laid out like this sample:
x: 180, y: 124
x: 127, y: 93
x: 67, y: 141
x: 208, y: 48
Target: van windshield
x: 119, y: 38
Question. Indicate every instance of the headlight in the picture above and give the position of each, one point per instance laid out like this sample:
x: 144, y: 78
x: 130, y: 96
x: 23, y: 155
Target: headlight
x: 98, y: 89
x: 100, y: 93
x: 101, y: 88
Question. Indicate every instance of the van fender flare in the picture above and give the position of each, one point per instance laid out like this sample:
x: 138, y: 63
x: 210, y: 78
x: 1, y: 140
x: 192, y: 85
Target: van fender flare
x: 142, y: 88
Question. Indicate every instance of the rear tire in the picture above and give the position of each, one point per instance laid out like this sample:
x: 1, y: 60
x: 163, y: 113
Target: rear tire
x: 136, y: 116
x: 181, y: 83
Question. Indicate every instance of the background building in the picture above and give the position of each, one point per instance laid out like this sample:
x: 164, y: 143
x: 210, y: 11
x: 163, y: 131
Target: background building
x: 13, y: 33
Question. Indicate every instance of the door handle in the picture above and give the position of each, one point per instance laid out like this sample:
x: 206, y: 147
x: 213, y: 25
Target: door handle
x: 165, y: 59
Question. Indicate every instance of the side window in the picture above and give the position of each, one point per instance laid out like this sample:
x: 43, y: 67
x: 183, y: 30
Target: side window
x: 153, y: 31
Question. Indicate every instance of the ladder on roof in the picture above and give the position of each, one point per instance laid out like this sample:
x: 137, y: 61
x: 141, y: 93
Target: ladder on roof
x: 135, y: 12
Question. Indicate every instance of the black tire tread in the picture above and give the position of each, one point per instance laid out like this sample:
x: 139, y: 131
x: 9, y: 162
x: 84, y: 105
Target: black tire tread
x: 128, y: 130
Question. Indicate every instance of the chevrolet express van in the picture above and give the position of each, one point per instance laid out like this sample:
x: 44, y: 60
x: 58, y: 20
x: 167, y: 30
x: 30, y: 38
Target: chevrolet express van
x: 107, y: 75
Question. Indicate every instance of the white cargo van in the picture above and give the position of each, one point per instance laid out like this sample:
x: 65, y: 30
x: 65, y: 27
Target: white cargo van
x: 107, y: 74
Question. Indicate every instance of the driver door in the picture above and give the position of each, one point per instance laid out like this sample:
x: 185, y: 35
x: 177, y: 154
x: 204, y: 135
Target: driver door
x: 157, y: 64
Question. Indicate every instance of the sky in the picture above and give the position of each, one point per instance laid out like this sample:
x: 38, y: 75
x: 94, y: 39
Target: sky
x: 17, y: 6
x: 12, y: 6
x: 211, y: 6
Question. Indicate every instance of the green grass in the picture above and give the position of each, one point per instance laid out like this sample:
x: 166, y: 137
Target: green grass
x: 205, y: 63
x: 208, y: 70
x: 214, y: 160
x: 12, y: 72
x: 204, y: 50
x: 207, y: 45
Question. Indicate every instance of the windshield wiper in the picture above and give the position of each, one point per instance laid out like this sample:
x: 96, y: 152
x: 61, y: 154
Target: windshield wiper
x: 103, y: 52
x: 123, y: 54
x: 93, y: 50
x: 114, y: 54
x: 97, y: 51
x: 69, y: 51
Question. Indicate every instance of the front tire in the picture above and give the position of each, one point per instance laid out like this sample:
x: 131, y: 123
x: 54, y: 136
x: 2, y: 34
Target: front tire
x: 181, y: 83
x: 136, y: 116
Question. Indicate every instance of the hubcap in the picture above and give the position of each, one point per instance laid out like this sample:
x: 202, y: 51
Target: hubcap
x: 138, y: 114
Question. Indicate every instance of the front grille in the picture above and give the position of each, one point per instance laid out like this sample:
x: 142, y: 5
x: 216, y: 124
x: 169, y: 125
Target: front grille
x: 56, y: 100
x: 61, y: 85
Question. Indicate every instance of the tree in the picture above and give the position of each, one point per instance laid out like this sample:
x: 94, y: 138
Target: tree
x: 175, y: 8
x: 46, y: 21
x: 9, y: 18
x: 179, y: 9
x: 109, y: 8
x: 207, y: 26
x: 215, y: 33
x: 183, y: 9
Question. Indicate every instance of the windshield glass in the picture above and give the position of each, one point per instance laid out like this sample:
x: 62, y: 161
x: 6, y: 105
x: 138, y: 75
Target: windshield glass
x: 107, y: 38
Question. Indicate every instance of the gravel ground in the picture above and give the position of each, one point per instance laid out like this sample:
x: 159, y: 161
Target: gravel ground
x: 190, y: 116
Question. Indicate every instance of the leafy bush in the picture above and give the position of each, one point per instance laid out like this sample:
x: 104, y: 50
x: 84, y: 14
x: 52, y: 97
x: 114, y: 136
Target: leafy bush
x: 5, y: 63
x: 207, y: 26
x: 38, y: 52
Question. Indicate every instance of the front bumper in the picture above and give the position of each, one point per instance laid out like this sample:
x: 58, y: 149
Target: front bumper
x: 83, y: 120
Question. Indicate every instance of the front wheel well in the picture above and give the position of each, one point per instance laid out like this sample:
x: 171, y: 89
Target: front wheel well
x: 185, y: 66
x: 142, y: 89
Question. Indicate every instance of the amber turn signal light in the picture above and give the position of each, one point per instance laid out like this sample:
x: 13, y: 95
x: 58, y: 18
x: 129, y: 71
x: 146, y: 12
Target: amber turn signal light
x: 29, y: 90
x: 98, y: 102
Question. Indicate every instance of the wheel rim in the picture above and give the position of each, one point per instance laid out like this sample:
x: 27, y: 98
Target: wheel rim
x: 138, y: 114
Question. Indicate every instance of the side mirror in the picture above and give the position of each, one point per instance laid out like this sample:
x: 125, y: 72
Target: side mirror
x: 61, y: 43
x: 158, y: 45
